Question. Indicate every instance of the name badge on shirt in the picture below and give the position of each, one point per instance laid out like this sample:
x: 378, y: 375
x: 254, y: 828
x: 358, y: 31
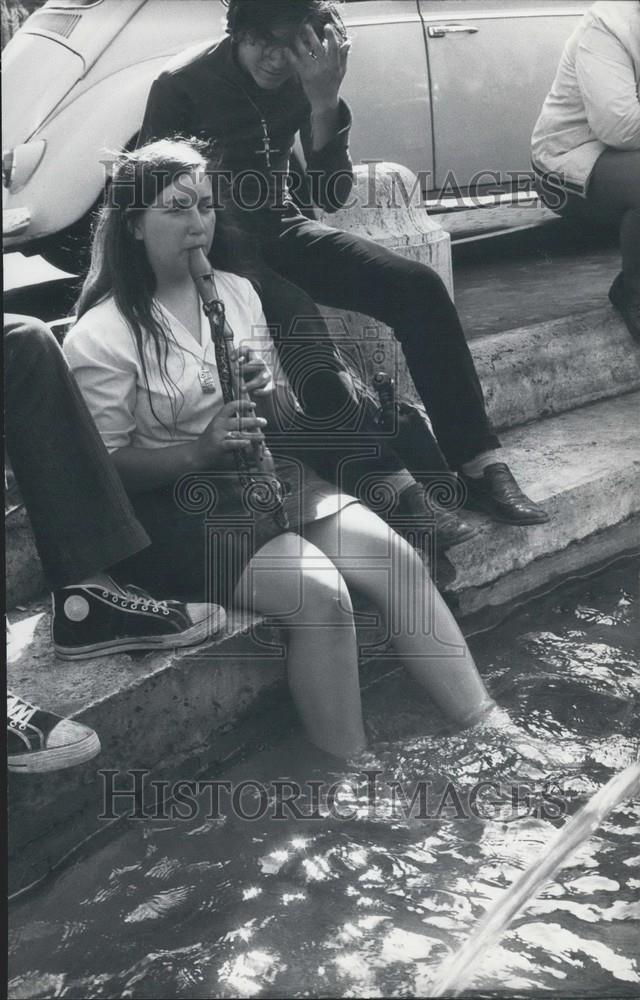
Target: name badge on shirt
x: 207, y: 382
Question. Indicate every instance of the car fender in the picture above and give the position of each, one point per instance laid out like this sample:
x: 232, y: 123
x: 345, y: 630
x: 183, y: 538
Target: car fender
x: 72, y: 172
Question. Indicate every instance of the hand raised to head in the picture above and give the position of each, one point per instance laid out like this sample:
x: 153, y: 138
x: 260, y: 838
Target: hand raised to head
x: 321, y: 65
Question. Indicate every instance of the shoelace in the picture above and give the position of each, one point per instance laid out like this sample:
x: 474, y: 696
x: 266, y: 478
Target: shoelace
x: 19, y: 712
x: 137, y: 599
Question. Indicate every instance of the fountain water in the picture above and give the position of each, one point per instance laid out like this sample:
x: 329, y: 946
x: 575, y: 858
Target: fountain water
x: 456, y: 971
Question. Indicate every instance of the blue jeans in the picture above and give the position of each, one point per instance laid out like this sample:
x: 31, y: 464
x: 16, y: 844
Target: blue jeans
x: 82, y: 520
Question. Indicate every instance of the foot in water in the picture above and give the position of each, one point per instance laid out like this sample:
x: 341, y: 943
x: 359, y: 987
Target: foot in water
x: 560, y: 756
x: 492, y: 746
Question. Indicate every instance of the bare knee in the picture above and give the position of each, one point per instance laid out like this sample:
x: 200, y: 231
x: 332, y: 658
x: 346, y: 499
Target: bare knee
x: 322, y: 598
x: 294, y: 581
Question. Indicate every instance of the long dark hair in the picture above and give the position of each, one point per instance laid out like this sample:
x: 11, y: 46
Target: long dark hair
x: 119, y: 267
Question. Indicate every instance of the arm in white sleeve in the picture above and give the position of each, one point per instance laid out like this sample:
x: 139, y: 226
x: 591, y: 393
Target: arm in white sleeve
x: 107, y: 379
x: 606, y: 78
x: 107, y: 375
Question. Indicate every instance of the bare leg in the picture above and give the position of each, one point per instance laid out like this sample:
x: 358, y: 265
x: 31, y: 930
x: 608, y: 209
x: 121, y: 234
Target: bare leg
x: 373, y: 559
x: 289, y: 578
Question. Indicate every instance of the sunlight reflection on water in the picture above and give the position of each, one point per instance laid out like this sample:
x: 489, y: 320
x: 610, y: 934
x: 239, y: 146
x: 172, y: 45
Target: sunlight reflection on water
x: 371, y: 904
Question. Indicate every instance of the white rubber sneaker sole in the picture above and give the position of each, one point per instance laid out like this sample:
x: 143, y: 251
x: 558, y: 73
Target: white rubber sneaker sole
x: 208, y: 628
x: 56, y: 758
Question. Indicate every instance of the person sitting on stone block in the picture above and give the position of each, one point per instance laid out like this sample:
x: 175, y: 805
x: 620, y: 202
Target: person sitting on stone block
x: 279, y: 73
x: 82, y: 520
x: 162, y: 390
x: 586, y: 142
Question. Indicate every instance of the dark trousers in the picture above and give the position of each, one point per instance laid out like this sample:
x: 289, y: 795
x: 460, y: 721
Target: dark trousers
x: 614, y: 194
x: 611, y: 202
x: 348, y: 272
x: 82, y: 520
x: 328, y: 376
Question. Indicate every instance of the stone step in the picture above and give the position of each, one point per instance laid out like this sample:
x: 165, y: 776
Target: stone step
x: 538, y: 371
x: 583, y: 466
x: 158, y: 711
x: 526, y: 373
x: 483, y: 220
x: 543, y: 335
x: 152, y: 711
x: 555, y: 366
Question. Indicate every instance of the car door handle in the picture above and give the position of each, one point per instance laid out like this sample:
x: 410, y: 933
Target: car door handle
x: 440, y: 30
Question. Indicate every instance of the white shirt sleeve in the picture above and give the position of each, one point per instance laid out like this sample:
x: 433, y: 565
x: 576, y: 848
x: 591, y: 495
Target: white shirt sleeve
x: 609, y: 88
x: 105, y: 368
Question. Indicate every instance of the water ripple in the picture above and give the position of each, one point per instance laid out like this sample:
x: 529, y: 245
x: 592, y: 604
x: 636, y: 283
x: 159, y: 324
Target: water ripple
x: 370, y: 905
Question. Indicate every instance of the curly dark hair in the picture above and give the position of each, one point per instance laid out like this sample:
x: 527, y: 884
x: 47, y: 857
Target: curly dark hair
x: 259, y: 20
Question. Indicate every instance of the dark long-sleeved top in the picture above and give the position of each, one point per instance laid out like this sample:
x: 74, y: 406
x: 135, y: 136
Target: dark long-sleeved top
x: 208, y: 95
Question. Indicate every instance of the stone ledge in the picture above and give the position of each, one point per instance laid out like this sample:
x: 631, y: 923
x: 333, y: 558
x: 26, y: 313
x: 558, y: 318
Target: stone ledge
x: 178, y: 710
x: 558, y: 365
x: 152, y: 711
x: 527, y: 373
x: 583, y: 467
x: 480, y: 607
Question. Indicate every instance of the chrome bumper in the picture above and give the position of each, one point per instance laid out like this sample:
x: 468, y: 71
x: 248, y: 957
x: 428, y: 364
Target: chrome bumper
x: 15, y: 221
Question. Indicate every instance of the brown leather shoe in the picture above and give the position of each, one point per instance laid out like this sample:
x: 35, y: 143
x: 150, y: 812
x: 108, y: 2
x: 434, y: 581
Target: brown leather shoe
x: 448, y: 527
x: 497, y: 493
x: 451, y: 529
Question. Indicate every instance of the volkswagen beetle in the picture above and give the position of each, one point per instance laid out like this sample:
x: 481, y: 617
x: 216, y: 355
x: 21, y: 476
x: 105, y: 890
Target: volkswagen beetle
x: 449, y: 88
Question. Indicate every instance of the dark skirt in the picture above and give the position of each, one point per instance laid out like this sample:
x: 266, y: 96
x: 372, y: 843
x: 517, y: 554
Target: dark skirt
x: 203, y: 532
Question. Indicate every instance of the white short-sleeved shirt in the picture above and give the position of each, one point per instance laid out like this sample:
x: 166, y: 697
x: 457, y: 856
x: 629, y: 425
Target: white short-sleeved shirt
x: 103, y: 356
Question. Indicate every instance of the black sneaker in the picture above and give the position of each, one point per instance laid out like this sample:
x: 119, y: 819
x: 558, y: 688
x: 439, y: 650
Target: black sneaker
x: 93, y: 620
x: 627, y: 303
x: 39, y: 741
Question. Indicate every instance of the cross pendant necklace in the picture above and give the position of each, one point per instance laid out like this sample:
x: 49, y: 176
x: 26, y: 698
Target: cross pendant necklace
x: 266, y: 150
x: 266, y: 143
